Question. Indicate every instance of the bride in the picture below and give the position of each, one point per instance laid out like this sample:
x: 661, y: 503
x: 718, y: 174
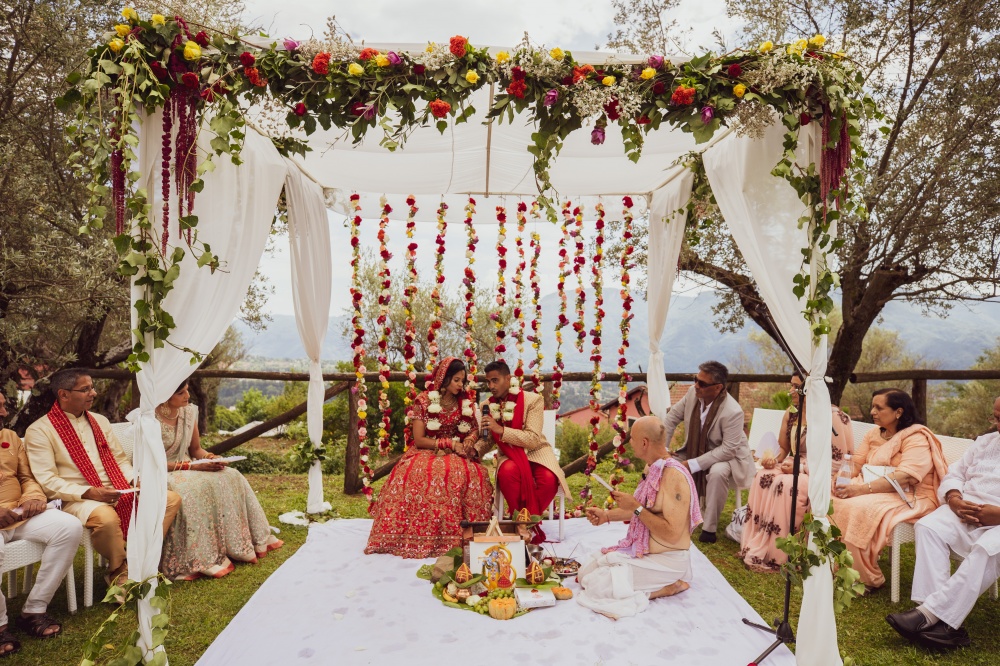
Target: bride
x: 438, y: 481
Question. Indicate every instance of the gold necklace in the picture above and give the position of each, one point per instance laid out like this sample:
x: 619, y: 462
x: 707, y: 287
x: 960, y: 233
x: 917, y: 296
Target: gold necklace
x: 163, y: 412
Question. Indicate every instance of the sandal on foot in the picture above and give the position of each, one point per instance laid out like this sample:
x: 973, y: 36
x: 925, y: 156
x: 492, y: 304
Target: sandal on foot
x: 36, y: 625
x: 7, y: 638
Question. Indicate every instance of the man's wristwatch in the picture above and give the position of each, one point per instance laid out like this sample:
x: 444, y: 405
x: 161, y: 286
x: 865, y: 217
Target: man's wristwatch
x: 638, y: 510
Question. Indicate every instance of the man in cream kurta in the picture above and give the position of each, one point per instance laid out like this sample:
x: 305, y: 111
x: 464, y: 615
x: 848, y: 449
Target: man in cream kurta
x: 966, y: 523
x: 60, y: 477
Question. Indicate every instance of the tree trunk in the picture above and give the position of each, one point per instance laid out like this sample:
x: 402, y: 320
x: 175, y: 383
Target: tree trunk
x: 109, y: 400
x: 352, y: 459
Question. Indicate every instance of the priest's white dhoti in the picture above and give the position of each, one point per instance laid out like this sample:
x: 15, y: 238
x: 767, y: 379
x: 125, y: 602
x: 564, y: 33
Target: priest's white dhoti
x: 617, y: 585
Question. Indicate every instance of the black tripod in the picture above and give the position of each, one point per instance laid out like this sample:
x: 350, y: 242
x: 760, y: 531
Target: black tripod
x: 783, y: 630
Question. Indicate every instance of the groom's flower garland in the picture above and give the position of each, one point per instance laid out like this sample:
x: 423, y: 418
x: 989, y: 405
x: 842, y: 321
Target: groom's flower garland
x: 596, y: 266
x: 384, y: 299
x: 409, y: 293
x: 579, y: 261
x: 504, y: 414
x: 620, y: 422
x: 357, y: 321
x: 501, y: 298
x: 470, y: 291
x: 562, y: 321
x: 519, y: 322
x: 432, y: 332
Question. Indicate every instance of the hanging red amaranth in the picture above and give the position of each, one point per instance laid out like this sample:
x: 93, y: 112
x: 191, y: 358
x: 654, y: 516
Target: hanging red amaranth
x: 834, y: 161
x: 165, y: 176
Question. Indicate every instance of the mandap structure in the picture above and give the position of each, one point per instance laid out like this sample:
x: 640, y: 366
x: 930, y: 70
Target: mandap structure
x: 194, y: 137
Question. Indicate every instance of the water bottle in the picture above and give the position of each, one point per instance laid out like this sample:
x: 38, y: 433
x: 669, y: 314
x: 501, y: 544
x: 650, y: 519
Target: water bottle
x: 846, y: 472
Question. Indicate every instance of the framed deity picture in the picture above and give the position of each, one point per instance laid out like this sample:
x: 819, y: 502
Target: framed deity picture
x: 497, y: 560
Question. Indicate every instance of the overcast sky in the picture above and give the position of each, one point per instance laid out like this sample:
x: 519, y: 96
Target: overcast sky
x: 579, y: 25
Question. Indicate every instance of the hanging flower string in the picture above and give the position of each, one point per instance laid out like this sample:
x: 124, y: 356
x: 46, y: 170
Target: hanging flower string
x: 357, y: 322
x: 620, y: 422
x: 409, y: 293
x: 595, y: 355
x: 470, y: 292
x: 519, y: 322
x: 536, y: 302
x: 501, y: 297
x: 563, y: 321
x: 384, y: 298
x: 579, y: 261
x: 432, y: 331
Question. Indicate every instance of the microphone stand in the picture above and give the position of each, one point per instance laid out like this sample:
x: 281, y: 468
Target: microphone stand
x: 783, y: 629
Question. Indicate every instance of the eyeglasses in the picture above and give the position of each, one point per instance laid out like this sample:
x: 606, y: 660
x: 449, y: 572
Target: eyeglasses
x: 89, y: 389
x: 701, y: 384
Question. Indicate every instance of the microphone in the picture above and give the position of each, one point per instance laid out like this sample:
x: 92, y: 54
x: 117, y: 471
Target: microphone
x: 484, y: 430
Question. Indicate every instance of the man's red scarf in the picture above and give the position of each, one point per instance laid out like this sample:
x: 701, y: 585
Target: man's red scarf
x: 74, y: 446
x: 519, y: 457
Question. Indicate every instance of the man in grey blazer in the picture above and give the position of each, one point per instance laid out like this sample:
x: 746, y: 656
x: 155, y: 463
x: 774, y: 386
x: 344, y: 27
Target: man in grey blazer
x: 715, y: 446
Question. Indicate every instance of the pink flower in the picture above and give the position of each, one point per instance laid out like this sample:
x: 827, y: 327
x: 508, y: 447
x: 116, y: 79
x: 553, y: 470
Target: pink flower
x: 707, y: 113
x: 597, y: 136
x: 290, y: 44
x: 656, y: 61
x: 551, y: 97
x: 394, y: 59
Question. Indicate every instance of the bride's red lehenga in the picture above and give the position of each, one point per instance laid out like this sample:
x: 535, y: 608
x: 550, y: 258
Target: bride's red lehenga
x: 418, y: 510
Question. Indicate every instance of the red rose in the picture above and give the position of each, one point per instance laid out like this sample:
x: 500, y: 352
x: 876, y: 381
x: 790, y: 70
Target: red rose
x: 208, y: 95
x: 440, y: 108
x: 355, y: 197
x: 566, y: 80
x: 410, y: 201
x: 804, y: 119
x: 300, y: 109
x: 201, y: 38
x: 247, y: 59
x: 734, y: 71
x: 190, y: 79
x: 517, y: 74
x: 627, y: 201
x: 613, y: 110
x: 419, y: 69
x: 321, y: 63
x: 458, y: 46
x: 522, y: 207
x: 159, y: 71
x: 683, y: 95
x: 367, y: 54
x: 659, y: 88
x: 517, y: 89
x: 354, y: 242
x: 219, y: 89
x: 643, y: 120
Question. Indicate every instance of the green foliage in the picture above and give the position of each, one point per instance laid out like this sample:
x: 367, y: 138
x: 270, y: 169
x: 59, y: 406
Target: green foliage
x: 253, y: 406
x: 96, y: 650
x: 304, y: 454
x: 227, y: 420
x: 965, y: 411
x: 781, y: 400
x: 572, y: 440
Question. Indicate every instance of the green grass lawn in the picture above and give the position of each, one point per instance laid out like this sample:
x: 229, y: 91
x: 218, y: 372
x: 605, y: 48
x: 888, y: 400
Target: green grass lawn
x: 201, y: 609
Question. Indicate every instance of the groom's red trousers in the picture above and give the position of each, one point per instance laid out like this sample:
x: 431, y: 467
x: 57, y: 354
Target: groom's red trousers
x: 509, y: 483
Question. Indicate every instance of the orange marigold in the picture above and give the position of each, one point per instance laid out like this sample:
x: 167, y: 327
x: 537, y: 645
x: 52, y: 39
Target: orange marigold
x: 321, y: 63
x: 682, y: 95
x: 440, y: 108
x: 367, y: 53
x: 457, y: 46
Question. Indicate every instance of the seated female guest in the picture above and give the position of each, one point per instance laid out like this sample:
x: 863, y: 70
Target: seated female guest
x: 770, y: 500
x: 438, y: 482
x: 220, y: 519
x: 867, y: 510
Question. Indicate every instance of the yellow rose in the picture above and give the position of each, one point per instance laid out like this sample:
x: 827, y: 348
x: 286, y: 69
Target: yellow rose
x: 608, y: 80
x: 839, y: 55
x: 503, y: 57
x: 766, y: 47
x: 739, y: 90
x: 129, y: 14
x: 354, y: 69
x: 430, y: 46
x: 817, y: 40
x: 557, y: 54
x: 192, y: 51
x: 648, y: 73
x: 116, y: 45
x: 157, y: 20
x: 382, y: 60
x: 362, y: 414
x: 471, y: 76
x: 800, y: 45
x: 122, y: 29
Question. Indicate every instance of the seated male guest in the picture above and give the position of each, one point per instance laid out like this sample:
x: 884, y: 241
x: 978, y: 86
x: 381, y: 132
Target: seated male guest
x: 653, y: 560
x: 529, y: 476
x: 715, y: 449
x: 965, y: 524
x: 23, y: 516
x: 76, y: 458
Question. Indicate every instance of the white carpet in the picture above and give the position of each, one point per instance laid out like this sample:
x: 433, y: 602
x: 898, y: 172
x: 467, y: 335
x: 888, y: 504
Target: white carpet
x: 331, y: 604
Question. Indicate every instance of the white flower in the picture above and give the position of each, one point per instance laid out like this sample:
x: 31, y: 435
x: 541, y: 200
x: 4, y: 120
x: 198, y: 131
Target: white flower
x: 362, y: 405
x: 433, y: 424
x: 501, y: 238
x: 467, y: 411
x: 494, y: 410
x: 508, y: 416
x: 469, y: 254
x: 434, y: 396
x: 464, y: 427
x: 515, y: 382
x: 471, y: 600
x: 434, y: 409
x: 514, y: 390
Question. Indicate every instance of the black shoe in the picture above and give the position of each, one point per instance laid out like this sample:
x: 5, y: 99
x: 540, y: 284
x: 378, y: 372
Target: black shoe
x: 707, y: 537
x: 909, y: 624
x: 943, y: 637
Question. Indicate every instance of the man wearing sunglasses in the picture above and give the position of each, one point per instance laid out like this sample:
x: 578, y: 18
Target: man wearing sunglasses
x: 715, y: 447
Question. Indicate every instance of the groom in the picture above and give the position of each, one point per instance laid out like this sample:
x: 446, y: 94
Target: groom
x: 529, y: 474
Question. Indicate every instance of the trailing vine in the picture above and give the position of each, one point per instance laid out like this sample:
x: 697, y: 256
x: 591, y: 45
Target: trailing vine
x: 99, y: 648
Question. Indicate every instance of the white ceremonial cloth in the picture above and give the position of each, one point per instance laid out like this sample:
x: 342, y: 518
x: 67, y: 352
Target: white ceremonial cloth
x: 237, y: 205
x: 762, y: 212
x: 312, y: 277
x: 666, y: 234
x: 329, y: 604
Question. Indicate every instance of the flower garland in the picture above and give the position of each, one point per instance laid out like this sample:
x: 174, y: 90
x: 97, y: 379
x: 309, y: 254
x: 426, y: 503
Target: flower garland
x: 357, y: 322
x: 470, y: 292
x: 501, y: 297
x: 504, y: 414
x: 596, y: 267
x: 620, y: 423
x: 409, y: 293
x: 563, y: 321
x: 580, y: 325
x: 434, y: 422
x: 432, y: 331
x: 536, y: 302
x: 520, y: 323
x: 384, y: 299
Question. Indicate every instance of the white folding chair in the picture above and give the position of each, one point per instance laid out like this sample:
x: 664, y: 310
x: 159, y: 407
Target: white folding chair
x: 562, y: 508
x: 24, y: 555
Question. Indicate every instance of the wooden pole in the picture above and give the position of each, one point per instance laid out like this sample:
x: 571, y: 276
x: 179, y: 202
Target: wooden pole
x: 278, y: 420
x: 920, y: 398
x: 580, y: 463
x: 384, y: 469
x: 734, y: 390
x: 352, y: 459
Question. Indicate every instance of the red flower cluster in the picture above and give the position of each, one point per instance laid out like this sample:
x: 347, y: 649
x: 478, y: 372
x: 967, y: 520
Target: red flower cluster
x: 159, y: 71
x: 734, y: 71
x: 613, y: 109
x: 659, y: 88
x: 190, y: 79
x: 440, y: 108
x: 580, y: 73
x: 683, y: 95
x: 517, y: 89
x: 367, y: 54
x: 253, y: 74
x: 201, y: 38
x: 247, y: 59
x: 300, y: 109
x: 419, y: 69
x: 458, y: 46
x: 321, y: 63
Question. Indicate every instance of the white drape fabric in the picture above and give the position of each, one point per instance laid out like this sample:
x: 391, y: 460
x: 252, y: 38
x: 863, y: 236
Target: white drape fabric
x: 666, y: 233
x: 236, y: 209
x: 762, y: 212
x: 312, y: 276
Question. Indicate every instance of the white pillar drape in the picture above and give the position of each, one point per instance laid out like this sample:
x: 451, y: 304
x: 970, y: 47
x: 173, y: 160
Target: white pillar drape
x: 235, y: 211
x: 666, y: 234
x: 312, y: 276
x: 762, y: 212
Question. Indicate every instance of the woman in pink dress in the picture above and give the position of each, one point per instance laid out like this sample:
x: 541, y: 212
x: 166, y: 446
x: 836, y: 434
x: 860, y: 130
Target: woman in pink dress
x: 438, y: 482
x: 770, y: 500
